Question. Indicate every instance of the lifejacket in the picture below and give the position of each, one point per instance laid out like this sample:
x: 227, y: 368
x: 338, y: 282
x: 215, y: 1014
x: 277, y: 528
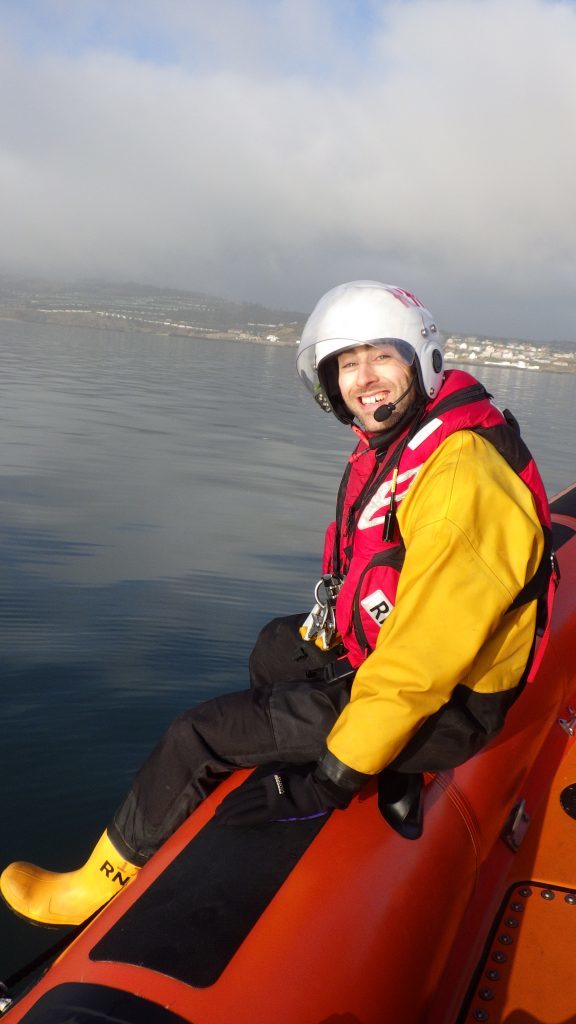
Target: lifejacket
x: 376, y: 479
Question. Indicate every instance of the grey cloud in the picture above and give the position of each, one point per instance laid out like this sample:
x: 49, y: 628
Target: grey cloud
x: 442, y: 156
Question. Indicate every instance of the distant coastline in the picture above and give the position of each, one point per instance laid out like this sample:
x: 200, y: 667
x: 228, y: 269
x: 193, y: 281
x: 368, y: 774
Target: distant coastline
x: 177, y: 315
x: 103, y: 320
x: 518, y: 355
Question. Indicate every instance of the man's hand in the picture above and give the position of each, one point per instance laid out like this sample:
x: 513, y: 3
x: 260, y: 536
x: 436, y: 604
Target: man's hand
x: 291, y: 794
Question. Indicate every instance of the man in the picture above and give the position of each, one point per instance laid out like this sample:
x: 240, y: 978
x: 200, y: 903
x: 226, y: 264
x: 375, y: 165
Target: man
x: 434, y: 573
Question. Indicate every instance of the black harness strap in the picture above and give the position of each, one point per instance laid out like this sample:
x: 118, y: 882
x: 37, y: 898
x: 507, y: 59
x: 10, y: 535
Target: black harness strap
x: 537, y: 587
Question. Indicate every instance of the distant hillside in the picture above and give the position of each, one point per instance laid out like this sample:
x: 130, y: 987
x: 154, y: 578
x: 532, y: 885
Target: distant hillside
x: 130, y: 306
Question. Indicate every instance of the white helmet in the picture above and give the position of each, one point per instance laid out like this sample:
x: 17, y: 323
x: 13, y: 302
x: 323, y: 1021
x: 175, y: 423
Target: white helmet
x: 367, y: 313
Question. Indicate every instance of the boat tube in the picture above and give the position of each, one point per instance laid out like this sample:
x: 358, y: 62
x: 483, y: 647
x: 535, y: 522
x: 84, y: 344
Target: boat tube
x: 339, y: 920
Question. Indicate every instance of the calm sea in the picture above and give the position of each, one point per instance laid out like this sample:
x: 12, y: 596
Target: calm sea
x: 162, y: 499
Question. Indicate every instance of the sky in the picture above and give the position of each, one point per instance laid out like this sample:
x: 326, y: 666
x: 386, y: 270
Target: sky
x: 267, y: 150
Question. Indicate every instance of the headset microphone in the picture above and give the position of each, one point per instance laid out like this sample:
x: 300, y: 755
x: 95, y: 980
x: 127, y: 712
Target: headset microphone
x: 384, y: 412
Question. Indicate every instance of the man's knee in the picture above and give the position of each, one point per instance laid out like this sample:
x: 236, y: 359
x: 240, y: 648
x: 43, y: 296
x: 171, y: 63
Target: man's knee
x: 275, y: 653
x: 281, y: 630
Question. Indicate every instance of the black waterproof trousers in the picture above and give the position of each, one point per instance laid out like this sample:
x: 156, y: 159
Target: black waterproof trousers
x: 285, y: 716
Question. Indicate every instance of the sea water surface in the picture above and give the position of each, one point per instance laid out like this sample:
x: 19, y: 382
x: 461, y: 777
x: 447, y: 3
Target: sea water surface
x: 162, y: 498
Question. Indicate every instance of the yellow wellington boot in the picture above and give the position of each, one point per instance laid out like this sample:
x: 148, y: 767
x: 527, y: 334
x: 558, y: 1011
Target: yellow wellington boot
x: 57, y: 899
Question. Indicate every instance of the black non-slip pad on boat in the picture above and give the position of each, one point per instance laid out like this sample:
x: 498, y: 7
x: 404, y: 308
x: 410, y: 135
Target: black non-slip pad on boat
x: 192, y: 919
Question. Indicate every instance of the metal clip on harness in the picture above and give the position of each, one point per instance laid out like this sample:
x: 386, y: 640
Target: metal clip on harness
x: 320, y: 625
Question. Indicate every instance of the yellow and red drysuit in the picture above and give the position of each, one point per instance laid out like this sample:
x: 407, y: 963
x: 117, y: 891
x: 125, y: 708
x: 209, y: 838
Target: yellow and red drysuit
x: 450, y: 654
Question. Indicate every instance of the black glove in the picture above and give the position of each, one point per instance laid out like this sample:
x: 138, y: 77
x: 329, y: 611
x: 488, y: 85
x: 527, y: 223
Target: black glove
x: 291, y: 794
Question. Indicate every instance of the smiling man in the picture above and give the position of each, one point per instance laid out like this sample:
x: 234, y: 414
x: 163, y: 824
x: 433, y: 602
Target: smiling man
x: 370, y: 378
x: 436, y: 572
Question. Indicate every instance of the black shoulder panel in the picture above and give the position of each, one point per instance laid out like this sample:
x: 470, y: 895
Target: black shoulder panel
x: 77, y: 1003
x: 465, y: 396
x: 194, y: 916
x: 508, y: 442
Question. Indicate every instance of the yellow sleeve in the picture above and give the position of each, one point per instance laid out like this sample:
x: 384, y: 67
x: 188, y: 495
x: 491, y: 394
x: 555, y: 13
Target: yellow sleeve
x: 472, y: 541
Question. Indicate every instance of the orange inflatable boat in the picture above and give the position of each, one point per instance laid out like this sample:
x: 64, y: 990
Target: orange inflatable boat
x: 339, y: 920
